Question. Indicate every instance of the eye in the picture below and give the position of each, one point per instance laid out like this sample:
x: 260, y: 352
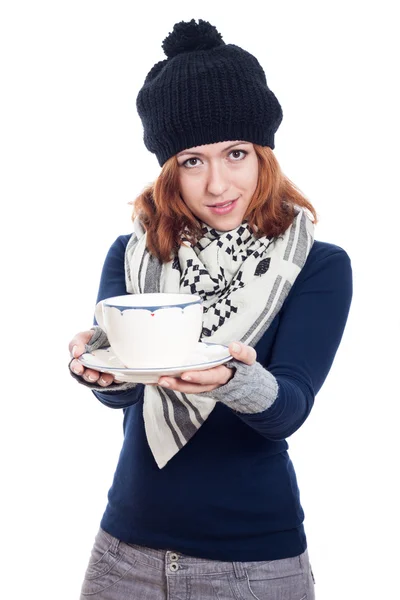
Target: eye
x: 188, y: 164
x: 237, y: 158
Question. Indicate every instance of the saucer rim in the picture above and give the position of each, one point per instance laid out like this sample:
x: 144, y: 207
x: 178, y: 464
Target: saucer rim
x: 150, y: 370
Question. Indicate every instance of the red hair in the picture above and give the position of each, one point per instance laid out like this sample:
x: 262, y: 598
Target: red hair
x: 165, y: 215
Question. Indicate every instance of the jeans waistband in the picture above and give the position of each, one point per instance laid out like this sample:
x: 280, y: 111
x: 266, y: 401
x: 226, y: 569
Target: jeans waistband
x: 173, y: 561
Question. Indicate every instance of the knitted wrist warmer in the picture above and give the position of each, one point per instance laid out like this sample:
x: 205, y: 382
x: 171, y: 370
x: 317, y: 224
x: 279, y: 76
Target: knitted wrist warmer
x: 252, y: 389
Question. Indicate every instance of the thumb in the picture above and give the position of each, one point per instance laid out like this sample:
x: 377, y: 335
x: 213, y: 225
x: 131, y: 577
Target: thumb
x: 77, y: 350
x: 242, y: 352
x: 77, y: 344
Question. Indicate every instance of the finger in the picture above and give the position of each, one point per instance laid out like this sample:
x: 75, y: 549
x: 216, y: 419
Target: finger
x: 76, y: 346
x: 242, y: 352
x: 105, y: 379
x: 192, y: 381
x: 216, y: 375
x: 91, y: 376
x: 76, y: 367
x: 177, y: 385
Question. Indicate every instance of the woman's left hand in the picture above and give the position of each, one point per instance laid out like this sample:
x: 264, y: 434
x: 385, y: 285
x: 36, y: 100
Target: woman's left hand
x: 195, y: 382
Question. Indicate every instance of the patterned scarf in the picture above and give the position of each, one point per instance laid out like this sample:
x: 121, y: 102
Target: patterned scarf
x: 243, y: 282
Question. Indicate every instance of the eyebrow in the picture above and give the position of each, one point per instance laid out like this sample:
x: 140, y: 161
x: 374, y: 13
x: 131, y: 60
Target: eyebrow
x: 200, y: 154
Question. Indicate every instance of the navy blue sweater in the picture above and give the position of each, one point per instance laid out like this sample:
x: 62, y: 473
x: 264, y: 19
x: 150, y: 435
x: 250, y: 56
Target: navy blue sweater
x: 231, y: 493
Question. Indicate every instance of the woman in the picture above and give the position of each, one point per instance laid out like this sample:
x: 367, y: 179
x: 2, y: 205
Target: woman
x: 216, y: 514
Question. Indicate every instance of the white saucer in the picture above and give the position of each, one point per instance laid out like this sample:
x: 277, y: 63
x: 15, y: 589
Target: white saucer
x: 205, y: 356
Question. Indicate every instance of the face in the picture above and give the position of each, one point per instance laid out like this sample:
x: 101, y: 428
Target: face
x: 217, y: 182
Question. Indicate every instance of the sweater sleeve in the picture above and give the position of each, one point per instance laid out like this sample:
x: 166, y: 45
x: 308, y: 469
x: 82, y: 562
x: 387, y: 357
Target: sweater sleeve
x: 112, y: 283
x: 276, y: 398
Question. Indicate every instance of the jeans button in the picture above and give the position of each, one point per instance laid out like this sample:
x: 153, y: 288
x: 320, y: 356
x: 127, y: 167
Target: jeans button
x: 173, y: 557
x: 173, y: 566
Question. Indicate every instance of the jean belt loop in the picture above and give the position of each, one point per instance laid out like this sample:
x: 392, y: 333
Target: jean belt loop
x: 113, y: 550
x: 240, y: 572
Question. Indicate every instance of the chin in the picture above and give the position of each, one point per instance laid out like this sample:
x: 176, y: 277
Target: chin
x: 226, y: 224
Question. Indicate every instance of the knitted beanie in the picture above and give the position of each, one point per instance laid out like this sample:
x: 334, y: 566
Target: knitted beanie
x: 206, y: 91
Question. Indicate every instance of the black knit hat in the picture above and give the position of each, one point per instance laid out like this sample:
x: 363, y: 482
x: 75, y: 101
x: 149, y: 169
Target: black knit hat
x: 206, y: 91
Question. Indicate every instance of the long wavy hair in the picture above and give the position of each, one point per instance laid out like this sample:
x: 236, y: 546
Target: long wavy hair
x: 166, y: 217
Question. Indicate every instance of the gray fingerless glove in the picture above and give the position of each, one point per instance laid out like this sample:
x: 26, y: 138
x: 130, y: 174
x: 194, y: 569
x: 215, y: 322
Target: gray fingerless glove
x: 252, y: 389
x: 99, y: 340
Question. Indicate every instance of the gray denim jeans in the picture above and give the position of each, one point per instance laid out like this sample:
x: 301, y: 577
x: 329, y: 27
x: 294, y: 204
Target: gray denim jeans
x: 119, y: 571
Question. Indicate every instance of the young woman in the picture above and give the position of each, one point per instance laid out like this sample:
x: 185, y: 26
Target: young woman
x: 209, y: 507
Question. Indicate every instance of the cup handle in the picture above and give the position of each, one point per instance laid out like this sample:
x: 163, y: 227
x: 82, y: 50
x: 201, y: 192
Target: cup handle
x: 98, y: 313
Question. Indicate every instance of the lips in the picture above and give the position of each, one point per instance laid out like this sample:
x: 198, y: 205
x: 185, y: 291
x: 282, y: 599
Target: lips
x: 220, y: 204
x: 223, y: 208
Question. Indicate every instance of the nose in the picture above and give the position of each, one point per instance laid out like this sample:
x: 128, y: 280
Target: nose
x: 218, y: 179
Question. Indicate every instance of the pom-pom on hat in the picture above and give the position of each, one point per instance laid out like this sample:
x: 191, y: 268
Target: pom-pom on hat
x: 204, y: 92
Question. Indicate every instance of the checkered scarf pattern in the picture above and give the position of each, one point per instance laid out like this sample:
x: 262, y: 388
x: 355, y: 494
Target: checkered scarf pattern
x: 243, y: 282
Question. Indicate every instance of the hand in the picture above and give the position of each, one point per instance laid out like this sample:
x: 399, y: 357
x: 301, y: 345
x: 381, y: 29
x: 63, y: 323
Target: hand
x: 195, y: 382
x: 77, y: 348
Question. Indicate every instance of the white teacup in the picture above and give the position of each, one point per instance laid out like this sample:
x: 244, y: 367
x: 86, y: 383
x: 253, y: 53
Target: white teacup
x: 151, y: 330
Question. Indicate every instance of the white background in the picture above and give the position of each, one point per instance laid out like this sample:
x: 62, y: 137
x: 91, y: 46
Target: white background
x: 72, y: 157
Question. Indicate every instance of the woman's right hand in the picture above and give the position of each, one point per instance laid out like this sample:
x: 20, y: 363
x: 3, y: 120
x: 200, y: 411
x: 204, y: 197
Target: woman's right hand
x: 77, y: 348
